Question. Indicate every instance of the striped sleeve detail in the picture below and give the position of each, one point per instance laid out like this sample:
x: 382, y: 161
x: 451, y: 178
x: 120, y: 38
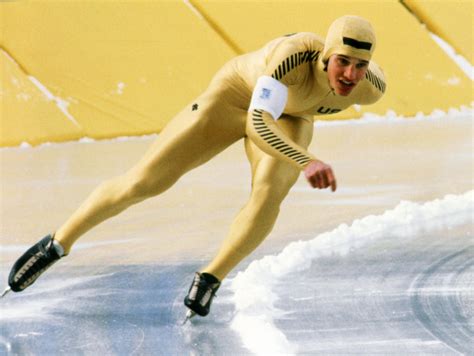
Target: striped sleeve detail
x: 375, y: 80
x: 293, y: 61
x: 276, y: 142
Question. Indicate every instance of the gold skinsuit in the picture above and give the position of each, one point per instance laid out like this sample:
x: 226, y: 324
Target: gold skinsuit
x: 219, y: 117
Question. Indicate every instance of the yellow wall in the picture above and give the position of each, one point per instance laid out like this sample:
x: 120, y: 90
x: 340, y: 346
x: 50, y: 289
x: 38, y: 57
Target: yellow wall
x: 162, y: 52
x: 450, y: 20
x: 27, y: 114
x: 125, y: 68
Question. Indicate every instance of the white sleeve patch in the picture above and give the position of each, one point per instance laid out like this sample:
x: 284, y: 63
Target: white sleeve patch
x: 269, y: 95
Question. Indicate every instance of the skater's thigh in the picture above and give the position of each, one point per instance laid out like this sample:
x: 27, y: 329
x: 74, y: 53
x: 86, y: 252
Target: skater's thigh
x: 200, y: 131
x: 268, y: 171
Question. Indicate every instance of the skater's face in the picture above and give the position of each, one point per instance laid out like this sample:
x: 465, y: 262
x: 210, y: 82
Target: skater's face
x: 345, y: 72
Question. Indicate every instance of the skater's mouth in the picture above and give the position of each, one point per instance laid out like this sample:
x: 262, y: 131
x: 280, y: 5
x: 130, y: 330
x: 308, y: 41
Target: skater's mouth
x: 345, y: 86
x: 347, y: 83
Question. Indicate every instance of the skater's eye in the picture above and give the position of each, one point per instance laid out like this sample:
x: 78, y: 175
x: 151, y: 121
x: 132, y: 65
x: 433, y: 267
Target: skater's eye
x: 342, y: 61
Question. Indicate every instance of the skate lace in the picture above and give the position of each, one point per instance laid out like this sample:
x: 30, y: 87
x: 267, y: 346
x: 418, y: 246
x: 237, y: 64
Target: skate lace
x: 202, y: 291
x: 206, y: 297
x: 35, y: 266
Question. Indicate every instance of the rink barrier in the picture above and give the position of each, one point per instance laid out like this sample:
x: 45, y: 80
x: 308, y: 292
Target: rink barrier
x: 452, y: 21
x: 101, y: 69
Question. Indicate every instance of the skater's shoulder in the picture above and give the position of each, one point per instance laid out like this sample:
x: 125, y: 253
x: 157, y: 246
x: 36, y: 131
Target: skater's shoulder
x: 299, y: 42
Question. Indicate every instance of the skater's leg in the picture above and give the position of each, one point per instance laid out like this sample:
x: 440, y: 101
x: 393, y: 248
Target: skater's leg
x: 192, y: 138
x: 271, y: 182
x: 199, y: 132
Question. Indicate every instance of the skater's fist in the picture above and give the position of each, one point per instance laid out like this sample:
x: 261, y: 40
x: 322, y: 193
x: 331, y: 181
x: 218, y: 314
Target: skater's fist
x: 320, y: 175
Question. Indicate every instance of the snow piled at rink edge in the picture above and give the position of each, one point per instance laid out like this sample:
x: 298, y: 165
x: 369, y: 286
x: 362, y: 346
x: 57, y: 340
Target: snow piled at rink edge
x: 253, y: 296
x: 464, y: 112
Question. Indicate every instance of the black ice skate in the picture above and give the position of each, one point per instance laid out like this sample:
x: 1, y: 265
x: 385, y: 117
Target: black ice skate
x: 201, y: 293
x: 33, y: 263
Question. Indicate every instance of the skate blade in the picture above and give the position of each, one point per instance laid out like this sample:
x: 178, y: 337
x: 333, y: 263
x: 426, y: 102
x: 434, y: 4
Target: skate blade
x: 189, y: 315
x: 5, y: 292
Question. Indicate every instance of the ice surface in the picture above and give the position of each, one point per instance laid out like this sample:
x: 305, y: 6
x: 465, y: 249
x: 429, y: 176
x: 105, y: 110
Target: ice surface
x: 394, y: 282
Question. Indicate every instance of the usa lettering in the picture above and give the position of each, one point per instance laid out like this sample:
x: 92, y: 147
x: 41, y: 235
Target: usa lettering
x: 323, y: 110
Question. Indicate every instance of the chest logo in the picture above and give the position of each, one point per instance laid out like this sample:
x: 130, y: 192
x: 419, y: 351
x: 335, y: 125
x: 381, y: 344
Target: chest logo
x: 324, y: 110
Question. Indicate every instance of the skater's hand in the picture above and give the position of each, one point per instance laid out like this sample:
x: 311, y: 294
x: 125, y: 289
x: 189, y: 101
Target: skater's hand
x: 320, y: 175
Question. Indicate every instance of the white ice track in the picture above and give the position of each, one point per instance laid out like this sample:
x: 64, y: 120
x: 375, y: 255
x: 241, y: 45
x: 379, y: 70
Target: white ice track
x: 394, y: 284
x: 399, y: 283
x: 438, y: 294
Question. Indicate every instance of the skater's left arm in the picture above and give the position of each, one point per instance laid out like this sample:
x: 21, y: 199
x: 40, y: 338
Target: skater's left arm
x: 265, y: 133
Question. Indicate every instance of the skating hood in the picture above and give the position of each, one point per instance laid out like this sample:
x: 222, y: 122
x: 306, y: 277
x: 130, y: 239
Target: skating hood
x: 350, y: 35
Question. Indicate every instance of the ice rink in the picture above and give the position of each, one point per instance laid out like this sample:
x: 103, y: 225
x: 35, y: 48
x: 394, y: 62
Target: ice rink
x: 383, y: 266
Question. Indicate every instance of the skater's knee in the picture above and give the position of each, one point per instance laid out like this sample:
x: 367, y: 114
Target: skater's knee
x: 274, y: 188
x: 142, y: 185
x: 122, y: 190
x: 135, y: 189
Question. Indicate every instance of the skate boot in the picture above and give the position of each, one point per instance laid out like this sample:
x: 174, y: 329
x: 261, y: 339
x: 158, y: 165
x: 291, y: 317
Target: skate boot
x: 33, y: 263
x: 200, y: 294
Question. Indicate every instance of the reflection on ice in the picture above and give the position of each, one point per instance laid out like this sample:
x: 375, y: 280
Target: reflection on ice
x: 119, y: 310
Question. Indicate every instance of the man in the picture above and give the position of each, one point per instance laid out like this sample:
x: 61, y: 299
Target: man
x: 268, y: 98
